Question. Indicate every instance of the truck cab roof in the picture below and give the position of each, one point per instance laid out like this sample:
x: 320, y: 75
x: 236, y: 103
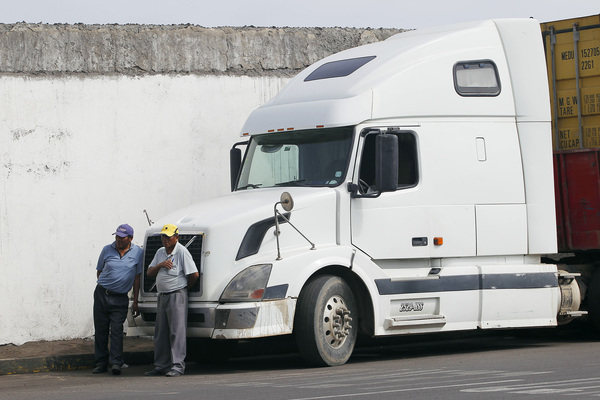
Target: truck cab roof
x: 413, y: 74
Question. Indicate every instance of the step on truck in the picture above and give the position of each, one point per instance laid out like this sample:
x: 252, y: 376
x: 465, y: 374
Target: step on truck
x: 402, y: 187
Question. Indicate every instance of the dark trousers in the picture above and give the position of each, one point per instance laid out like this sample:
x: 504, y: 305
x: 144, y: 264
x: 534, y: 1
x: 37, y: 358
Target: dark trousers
x: 110, y: 312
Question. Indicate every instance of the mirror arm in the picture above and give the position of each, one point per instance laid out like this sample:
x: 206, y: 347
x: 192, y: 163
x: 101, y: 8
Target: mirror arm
x: 355, y: 194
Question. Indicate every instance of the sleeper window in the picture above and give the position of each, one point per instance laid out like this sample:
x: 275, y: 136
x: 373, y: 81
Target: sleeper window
x: 476, y: 78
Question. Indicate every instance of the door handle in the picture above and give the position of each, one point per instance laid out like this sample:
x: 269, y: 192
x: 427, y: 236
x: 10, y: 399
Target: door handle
x: 419, y: 241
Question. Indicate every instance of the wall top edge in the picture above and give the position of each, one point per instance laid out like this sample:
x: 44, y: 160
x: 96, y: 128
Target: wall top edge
x: 39, y: 49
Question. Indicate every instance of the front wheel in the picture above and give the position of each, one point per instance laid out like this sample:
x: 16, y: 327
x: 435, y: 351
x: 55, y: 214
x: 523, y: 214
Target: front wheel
x: 323, y: 321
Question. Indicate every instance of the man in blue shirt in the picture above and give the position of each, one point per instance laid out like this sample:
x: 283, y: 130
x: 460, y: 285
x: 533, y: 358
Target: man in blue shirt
x: 118, y: 270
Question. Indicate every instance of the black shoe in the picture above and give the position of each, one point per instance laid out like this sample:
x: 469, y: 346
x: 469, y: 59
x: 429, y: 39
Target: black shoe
x: 116, y: 370
x: 99, y: 369
x: 155, y: 372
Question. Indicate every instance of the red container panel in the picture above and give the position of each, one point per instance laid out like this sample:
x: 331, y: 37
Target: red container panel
x: 577, y: 189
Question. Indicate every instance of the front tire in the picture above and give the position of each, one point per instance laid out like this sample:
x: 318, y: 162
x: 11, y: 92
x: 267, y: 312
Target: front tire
x: 322, y: 324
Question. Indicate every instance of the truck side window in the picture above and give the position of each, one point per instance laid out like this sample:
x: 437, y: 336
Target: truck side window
x: 407, y: 162
x: 476, y: 78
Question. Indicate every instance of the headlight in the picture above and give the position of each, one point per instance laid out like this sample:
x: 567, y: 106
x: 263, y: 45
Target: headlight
x: 250, y: 284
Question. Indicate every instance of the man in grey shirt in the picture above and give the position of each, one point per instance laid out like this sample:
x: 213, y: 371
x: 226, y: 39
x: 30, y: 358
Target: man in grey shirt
x: 175, y: 272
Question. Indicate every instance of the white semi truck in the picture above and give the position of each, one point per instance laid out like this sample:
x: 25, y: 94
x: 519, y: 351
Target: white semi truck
x: 396, y: 188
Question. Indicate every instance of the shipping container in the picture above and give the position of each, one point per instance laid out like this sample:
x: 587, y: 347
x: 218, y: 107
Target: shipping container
x: 573, y: 61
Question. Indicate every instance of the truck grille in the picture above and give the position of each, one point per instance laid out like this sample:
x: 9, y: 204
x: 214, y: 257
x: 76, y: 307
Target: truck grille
x: 153, y: 243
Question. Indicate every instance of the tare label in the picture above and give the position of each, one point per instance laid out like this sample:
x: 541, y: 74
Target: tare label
x: 568, y: 103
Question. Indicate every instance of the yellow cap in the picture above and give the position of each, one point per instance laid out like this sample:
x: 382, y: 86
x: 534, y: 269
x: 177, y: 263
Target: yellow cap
x: 169, y: 230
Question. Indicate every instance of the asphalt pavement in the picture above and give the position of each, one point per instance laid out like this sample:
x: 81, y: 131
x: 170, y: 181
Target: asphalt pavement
x: 75, y: 354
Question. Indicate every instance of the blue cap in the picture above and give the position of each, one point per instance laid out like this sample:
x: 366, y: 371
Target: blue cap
x: 124, y: 231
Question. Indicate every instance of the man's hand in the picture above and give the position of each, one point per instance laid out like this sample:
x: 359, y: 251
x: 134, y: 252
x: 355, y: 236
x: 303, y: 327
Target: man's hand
x: 135, y: 309
x: 167, y: 264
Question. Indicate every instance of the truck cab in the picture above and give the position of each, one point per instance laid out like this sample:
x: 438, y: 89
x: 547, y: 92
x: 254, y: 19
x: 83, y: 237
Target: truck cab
x: 395, y: 188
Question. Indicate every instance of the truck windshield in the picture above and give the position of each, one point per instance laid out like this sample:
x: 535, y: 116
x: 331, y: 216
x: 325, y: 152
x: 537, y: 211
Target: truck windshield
x: 303, y: 158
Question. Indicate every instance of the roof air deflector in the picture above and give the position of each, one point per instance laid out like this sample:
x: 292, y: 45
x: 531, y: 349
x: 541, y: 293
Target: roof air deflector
x: 338, y: 69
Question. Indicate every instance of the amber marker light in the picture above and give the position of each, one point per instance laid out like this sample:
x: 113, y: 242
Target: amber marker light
x: 438, y: 241
x: 320, y: 126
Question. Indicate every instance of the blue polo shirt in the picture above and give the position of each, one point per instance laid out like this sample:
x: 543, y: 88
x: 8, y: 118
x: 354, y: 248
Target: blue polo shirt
x: 118, y: 273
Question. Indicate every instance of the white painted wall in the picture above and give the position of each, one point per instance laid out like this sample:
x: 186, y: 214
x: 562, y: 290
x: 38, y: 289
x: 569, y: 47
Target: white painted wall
x: 81, y: 155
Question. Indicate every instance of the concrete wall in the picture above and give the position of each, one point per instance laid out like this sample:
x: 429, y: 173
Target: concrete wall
x: 99, y: 123
x: 174, y: 49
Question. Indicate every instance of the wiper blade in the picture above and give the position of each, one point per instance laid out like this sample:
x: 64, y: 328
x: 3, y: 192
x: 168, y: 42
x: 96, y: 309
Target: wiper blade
x: 297, y: 182
x: 252, y: 185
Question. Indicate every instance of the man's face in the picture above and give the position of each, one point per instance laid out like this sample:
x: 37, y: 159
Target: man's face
x: 123, y: 242
x: 169, y: 242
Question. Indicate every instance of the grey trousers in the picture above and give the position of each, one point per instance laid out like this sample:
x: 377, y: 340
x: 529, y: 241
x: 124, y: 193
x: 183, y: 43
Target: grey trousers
x: 170, y: 331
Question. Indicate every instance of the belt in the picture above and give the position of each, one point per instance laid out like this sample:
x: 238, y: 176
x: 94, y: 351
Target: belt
x: 169, y: 293
x: 111, y: 293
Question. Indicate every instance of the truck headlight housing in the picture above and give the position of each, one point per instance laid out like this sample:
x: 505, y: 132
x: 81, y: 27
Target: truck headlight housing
x: 248, y: 285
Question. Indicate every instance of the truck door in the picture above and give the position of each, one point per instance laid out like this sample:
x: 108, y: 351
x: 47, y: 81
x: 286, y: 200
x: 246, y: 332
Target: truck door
x: 414, y: 221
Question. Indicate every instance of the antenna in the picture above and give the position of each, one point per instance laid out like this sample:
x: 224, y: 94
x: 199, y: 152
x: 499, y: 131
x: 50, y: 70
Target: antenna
x: 150, y: 222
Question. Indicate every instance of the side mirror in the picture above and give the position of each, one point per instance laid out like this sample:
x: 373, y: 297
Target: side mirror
x: 386, y: 163
x: 235, y: 162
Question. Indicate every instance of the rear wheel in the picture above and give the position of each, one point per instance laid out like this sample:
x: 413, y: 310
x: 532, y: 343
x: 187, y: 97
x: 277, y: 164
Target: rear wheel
x: 322, y: 324
x: 593, y: 300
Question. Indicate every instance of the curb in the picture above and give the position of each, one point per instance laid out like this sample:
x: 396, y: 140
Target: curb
x: 65, y: 363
